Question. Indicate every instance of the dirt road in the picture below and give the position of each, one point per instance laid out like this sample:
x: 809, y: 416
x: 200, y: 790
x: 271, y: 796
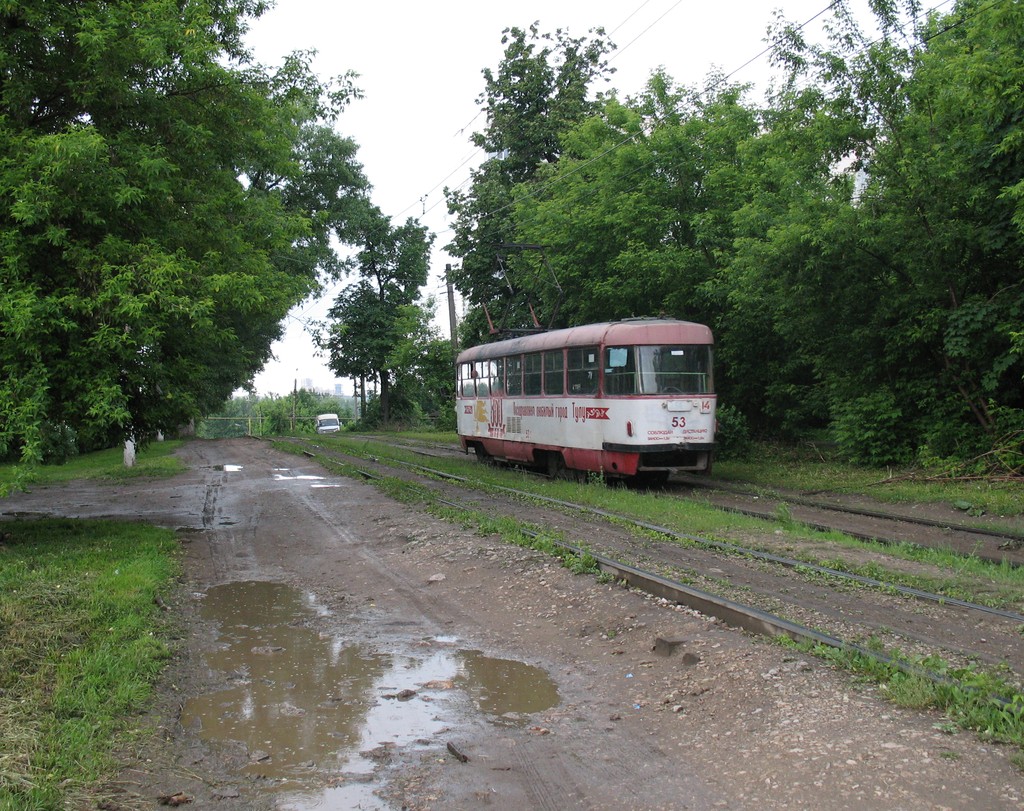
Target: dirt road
x: 345, y: 651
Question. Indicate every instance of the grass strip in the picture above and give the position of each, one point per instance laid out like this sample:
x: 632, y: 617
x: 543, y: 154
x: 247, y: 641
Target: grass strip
x: 156, y: 459
x: 82, y: 640
x: 814, y: 470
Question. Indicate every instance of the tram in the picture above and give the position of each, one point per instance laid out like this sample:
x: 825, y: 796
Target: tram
x: 632, y: 398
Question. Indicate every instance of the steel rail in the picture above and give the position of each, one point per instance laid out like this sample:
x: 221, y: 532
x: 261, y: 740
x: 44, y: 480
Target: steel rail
x: 768, y: 557
x: 745, y: 551
x: 713, y: 484
x: 840, y: 508
x: 823, y: 527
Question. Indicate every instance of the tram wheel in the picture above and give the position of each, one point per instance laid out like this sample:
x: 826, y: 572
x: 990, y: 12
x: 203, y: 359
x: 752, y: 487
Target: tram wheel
x: 555, y: 465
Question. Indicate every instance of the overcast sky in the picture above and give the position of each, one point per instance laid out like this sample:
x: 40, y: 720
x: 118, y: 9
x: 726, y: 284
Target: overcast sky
x: 420, y: 71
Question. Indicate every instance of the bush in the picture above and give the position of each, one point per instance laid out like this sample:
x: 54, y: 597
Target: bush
x: 60, y: 443
x: 870, y: 429
x: 957, y: 449
x: 732, y: 437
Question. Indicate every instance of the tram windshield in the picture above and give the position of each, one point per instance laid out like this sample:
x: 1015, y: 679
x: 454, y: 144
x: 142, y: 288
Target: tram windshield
x: 666, y: 369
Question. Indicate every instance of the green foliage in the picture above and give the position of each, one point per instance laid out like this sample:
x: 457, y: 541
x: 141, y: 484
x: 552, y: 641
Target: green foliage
x: 59, y: 443
x: 81, y: 642
x: 856, y: 243
x: 869, y: 429
x: 404, y: 412
x: 732, y: 438
x: 274, y: 415
x: 538, y: 92
x: 163, y: 203
x: 369, y: 319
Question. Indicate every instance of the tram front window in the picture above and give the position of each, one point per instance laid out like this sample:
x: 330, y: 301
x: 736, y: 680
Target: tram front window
x: 684, y: 369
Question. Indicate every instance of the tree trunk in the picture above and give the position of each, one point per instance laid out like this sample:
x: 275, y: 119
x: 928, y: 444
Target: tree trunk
x: 385, y: 396
x: 129, y: 453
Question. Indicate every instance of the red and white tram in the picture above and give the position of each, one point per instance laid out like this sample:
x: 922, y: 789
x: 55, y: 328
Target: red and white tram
x: 625, y: 398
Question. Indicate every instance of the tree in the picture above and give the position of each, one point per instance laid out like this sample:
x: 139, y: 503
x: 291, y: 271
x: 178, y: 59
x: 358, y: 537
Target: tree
x: 366, y: 321
x: 539, y: 91
x: 163, y: 203
x: 636, y: 213
x: 856, y: 243
x: 908, y: 292
x: 424, y: 364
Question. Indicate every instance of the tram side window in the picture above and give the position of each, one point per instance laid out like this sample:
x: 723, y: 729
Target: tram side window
x: 481, y: 372
x: 619, y: 370
x: 514, y: 375
x: 532, y: 369
x: 554, y: 379
x: 498, y: 377
x: 583, y: 365
x: 466, y: 385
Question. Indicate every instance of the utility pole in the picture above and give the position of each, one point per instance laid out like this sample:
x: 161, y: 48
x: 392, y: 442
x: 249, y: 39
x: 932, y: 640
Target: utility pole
x: 451, y: 307
x: 295, y: 397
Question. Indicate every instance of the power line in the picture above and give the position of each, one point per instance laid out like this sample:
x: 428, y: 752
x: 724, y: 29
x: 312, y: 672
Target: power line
x: 617, y: 53
x: 630, y: 17
x: 621, y: 50
x: 769, y: 48
x: 479, y: 112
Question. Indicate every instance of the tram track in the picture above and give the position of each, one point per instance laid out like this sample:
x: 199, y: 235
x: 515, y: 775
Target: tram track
x: 950, y: 534
x: 811, y: 603
x: 1000, y: 546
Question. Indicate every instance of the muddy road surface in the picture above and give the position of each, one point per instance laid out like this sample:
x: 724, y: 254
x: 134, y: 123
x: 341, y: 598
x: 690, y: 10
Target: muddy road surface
x: 341, y: 650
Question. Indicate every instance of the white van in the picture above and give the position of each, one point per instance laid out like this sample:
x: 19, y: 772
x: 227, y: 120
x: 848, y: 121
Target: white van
x: 328, y: 424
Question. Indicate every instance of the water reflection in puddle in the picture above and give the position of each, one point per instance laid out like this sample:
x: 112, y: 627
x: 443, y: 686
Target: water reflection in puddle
x: 287, y: 476
x: 228, y: 468
x: 316, y: 713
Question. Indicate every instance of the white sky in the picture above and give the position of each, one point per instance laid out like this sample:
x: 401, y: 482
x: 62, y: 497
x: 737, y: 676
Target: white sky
x: 420, y: 71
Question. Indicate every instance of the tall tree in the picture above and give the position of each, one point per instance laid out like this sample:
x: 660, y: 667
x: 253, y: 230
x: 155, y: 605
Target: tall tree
x: 367, y: 320
x: 424, y: 363
x: 881, y: 228
x: 163, y: 203
x: 539, y: 91
x: 636, y: 213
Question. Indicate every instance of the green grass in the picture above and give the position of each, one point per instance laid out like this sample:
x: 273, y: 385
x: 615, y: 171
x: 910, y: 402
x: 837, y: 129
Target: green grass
x: 805, y: 469
x: 81, y: 643
x: 808, y: 468
x: 156, y: 460
x: 982, y: 701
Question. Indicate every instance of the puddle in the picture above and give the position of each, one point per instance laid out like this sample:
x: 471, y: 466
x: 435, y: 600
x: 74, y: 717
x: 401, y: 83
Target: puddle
x: 285, y: 477
x: 317, y: 713
x: 228, y: 468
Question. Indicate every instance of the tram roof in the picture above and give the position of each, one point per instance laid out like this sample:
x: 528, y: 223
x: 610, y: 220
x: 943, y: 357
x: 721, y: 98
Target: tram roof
x: 637, y: 331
